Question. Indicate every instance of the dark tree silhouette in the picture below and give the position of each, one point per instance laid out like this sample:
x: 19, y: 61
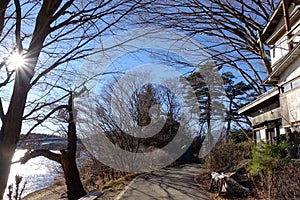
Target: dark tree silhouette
x: 67, y: 158
x: 50, y: 35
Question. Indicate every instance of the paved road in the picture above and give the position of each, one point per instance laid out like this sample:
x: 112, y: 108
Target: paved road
x: 170, y: 183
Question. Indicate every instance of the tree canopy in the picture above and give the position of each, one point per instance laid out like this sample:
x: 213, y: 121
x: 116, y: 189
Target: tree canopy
x: 51, y: 38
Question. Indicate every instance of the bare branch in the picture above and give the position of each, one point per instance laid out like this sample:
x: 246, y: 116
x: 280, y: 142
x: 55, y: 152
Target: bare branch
x: 18, y: 26
x: 46, y: 153
x: 62, y: 11
x: 37, y: 108
x: 55, y: 33
x: 8, y: 78
x: 2, y: 115
x: 3, y: 6
x: 227, y: 29
x: 40, y: 121
x: 41, y: 30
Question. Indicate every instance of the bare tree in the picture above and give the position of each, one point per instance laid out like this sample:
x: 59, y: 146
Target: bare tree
x: 139, y: 109
x: 229, y: 30
x: 67, y: 158
x: 122, y: 110
x: 47, y: 36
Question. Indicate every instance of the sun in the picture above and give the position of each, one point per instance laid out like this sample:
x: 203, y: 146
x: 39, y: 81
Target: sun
x: 15, y: 61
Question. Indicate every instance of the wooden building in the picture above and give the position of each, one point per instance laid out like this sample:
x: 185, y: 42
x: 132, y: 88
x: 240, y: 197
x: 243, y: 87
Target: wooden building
x: 277, y: 111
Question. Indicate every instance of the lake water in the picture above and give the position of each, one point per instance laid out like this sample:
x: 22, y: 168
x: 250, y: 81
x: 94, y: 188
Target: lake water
x: 38, y: 172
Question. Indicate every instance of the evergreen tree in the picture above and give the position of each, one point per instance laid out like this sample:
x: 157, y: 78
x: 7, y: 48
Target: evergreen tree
x: 238, y: 94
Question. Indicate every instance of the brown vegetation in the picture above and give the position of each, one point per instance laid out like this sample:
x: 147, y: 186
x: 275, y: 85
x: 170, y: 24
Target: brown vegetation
x: 227, y: 155
x: 95, y: 175
x: 280, y: 181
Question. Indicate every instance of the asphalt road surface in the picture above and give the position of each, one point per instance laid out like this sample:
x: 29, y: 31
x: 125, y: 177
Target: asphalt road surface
x: 176, y: 183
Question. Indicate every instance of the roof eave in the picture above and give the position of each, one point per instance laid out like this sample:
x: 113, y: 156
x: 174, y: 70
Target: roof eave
x: 274, y: 19
x: 262, y: 98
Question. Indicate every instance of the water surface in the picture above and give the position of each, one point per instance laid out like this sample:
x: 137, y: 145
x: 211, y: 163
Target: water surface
x: 38, y: 172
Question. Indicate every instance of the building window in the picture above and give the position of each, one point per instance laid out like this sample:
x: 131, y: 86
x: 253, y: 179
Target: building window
x: 271, y: 137
x: 257, y: 134
x: 274, y: 50
x: 296, y: 83
x: 291, y: 85
x: 286, y: 87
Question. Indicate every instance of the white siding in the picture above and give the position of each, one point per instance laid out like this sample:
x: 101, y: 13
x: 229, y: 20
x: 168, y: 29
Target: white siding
x: 295, y: 31
x: 293, y: 98
x: 279, y: 50
x: 292, y: 72
x: 281, y: 131
x: 263, y: 134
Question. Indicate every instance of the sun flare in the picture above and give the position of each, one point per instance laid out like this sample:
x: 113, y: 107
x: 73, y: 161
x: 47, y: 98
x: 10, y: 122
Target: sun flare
x: 16, y: 60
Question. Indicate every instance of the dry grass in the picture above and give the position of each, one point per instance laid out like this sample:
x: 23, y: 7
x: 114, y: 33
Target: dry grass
x: 53, y: 192
x: 118, y: 184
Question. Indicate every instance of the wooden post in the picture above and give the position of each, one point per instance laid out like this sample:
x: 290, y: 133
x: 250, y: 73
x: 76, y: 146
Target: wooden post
x: 263, y: 53
x: 285, y: 7
x: 277, y: 134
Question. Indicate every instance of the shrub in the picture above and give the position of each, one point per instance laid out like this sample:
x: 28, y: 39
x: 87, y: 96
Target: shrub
x: 286, y: 180
x: 269, y: 170
x: 265, y: 156
x: 227, y: 155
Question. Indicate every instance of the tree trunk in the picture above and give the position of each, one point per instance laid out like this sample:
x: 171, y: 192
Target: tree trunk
x: 12, y: 122
x: 229, y: 121
x: 11, y: 126
x: 75, y: 188
x: 208, y: 120
x: 67, y: 158
x: 6, y: 154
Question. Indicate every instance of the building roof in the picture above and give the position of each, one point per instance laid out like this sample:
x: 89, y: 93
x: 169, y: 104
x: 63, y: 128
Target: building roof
x: 275, y: 18
x: 280, y: 65
x: 272, y: 22
x: 261, y: 101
